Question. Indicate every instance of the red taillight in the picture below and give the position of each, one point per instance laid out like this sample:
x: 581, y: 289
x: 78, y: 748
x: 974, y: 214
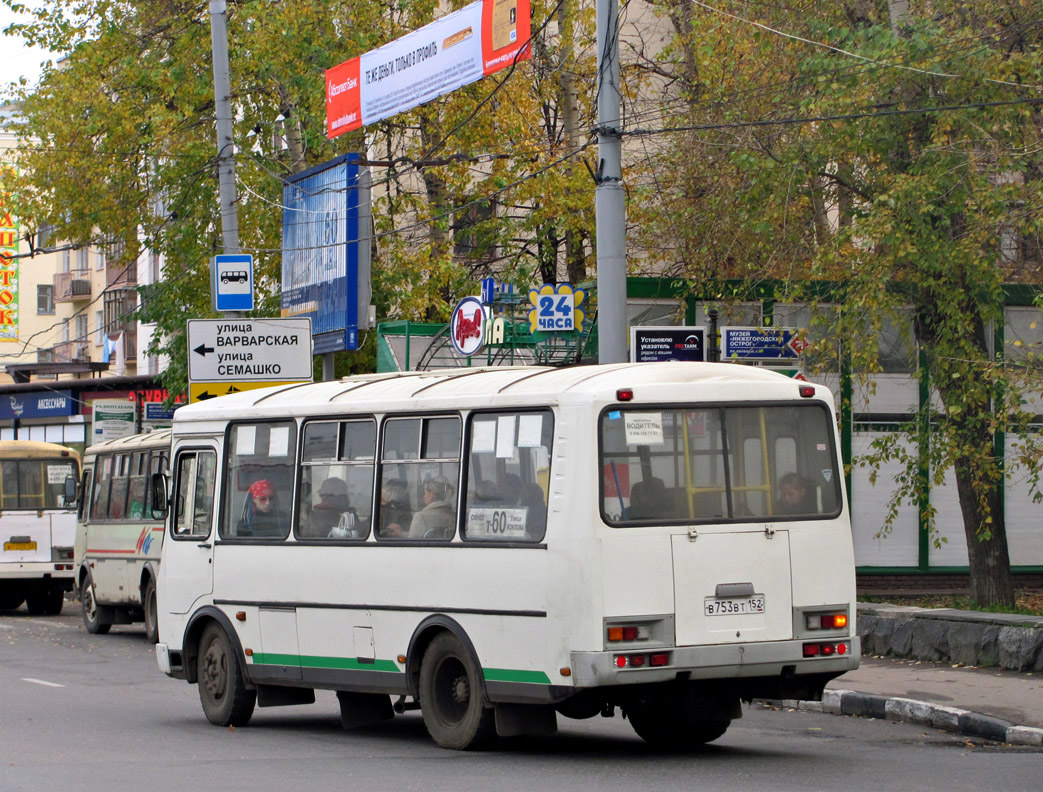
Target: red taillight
x: 624, y: 394
x: 630, y: 633
x: 621, y: 661
x: 841, y: 648
x: 810, y: 650
x: 636, y: 661
x: 828, y: 649
x: 834, y: 621
x: 806, y: 391
x: 659, y: 659
x: 824, y: 649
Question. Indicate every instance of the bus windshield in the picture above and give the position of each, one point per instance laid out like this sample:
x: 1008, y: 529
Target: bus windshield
x: 718, y: 464
x: 33, y: 484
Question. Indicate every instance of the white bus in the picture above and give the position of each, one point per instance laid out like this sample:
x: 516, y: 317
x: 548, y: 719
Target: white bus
x: 37, y: 522
x: 499, y: 546
x: 118, y: 540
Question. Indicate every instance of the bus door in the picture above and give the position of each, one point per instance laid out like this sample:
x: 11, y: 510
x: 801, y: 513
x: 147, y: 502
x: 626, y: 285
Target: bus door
x: 187, y: 571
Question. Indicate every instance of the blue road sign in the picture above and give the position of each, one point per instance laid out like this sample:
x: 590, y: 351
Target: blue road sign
x: 232, y: 282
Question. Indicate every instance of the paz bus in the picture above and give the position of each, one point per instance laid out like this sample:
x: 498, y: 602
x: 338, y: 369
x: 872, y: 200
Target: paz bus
x: 118, y: 539
x: 500, y: 546
x: 37, y: 522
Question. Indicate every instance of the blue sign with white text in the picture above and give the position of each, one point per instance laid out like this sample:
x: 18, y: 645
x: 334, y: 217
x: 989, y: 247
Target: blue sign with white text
x: 761, y: 343
x: 46, y: 404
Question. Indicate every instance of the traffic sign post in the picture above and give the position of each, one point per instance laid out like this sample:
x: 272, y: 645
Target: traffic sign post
x: 249, y: 350
x: 232, y: 282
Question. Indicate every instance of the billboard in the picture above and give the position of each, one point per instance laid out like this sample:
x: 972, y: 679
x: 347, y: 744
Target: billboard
x: 654, y: 343
x: 325, y: 252
x: 455, y: 50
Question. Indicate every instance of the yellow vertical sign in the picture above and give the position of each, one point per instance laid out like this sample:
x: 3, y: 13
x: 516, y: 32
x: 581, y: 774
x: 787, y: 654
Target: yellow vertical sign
x: 8, y: 260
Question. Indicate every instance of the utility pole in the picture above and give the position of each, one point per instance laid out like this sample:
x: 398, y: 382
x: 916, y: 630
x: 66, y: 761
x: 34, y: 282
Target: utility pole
x: 609, y: 205
x: 225, y: 146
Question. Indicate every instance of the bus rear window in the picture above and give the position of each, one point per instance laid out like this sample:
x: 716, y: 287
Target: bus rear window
x: 718, y: 464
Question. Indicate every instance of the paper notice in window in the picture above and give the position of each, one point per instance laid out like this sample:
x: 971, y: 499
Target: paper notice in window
x: 483, y: 437
x: 505, y: 23
x: 245, y: 438
x: 505, y: 436
x: 279, y: 441
x: 643, y: 428
x: 530, y: 431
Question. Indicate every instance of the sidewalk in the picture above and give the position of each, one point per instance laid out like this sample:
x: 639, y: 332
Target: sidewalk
x: 1006, y: 706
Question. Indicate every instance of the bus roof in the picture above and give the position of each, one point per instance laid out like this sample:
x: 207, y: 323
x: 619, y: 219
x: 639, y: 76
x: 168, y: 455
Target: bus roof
x: 136, y: 442
x: 456, y: 388
x: 34, y: 449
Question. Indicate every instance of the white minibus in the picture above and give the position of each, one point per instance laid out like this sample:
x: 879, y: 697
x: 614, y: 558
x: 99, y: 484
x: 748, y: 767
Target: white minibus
x: 118, y: 540
x: 499, y: 546
x: 37, y: 521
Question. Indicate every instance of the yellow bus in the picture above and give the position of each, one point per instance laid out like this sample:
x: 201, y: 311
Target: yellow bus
x: 37, y: 524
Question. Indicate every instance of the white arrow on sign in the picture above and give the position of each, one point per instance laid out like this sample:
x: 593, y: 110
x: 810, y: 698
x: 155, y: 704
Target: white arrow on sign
x: 249, y: 349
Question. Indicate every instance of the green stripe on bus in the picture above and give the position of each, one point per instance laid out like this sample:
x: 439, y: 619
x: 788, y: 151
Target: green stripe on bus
x: 349, y: 663
x: 512, y: 675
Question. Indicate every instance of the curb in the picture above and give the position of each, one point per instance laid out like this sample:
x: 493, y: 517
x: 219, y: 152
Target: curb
x: 937, y: 716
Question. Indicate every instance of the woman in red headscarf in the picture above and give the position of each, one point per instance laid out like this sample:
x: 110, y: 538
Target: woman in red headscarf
x: 262, y: 515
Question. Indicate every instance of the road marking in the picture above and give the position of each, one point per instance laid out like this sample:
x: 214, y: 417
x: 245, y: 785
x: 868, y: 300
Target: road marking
x: 41, y: 682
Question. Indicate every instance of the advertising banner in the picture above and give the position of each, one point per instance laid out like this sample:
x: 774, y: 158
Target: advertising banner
x: 761, y: 343
x: 453, y: 51
x: 8, y: 261
x: 650, y: 344
x: 111, y: 419
x: 46, y: 404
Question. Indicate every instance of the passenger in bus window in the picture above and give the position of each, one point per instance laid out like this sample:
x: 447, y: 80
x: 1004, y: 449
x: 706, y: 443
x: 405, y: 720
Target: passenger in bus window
x: 438, y: 517
x: 395, y: 513
x: 532, y: 499
x: 509, y: 486
x: 795, y: 495
x: 262, y: 515
x: 333, y: 504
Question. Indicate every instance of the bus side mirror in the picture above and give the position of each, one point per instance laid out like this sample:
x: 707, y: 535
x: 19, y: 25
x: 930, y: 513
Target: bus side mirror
x: 70, y: 491
x: 158, y: 484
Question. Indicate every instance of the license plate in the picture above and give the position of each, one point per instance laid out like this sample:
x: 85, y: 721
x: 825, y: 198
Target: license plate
x: 19, y: 546
x: 729, y: 607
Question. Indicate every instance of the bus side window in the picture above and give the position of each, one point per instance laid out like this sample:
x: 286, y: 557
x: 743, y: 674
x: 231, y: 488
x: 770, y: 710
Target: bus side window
x: 508, y: 475
x: 100, y: 496
x: 259, y: 479
x: 193, y: 500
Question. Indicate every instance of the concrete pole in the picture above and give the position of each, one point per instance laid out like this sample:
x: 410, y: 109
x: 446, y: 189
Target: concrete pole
x: 225, y: 146
x: 609, y: 205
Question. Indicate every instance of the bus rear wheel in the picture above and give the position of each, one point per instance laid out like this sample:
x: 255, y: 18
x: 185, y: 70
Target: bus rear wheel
x: 92, y: 619
x: 682, y: 720
x: 151, y: 609
x: 451, y: 699
x: 46, y: 602
x: 222, y: 688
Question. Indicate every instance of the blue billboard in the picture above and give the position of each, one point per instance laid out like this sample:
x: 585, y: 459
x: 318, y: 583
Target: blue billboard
x: 325, y: 251
x: 761, y: 343
x: 46, y: 404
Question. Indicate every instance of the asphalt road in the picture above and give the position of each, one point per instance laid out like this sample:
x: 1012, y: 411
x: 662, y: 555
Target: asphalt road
x: 84, y: 713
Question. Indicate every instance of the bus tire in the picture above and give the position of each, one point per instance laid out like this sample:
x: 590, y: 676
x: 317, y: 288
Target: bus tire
x: 222, y: 688
x: 46, y: 602
x: 679, y: 722
x: 451, y: 698
x: 151, y: 609
x: 92, y: 618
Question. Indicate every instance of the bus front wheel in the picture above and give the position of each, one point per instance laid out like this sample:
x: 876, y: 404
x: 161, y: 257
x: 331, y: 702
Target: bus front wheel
x: 92, y: 619
x: 151, y: 612
x: 451, y: 698
x: 222, y: 689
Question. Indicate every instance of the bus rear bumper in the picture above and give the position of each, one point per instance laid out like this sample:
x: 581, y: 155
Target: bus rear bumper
x: 37, y: 570
x: 775, y: 660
